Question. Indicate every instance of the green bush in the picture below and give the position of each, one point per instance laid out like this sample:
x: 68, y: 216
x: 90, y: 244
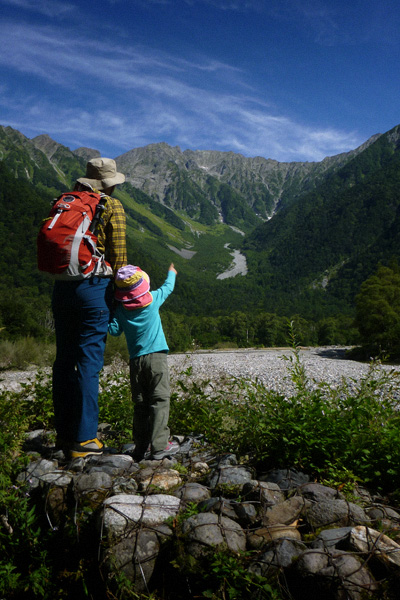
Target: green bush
x: 116, y: 406
x: 341, y: 434
x: 323, y: 430
x: 23, y: 555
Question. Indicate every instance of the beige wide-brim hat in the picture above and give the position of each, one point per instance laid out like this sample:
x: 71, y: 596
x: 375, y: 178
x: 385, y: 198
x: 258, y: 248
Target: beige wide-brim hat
x: 101, y: 173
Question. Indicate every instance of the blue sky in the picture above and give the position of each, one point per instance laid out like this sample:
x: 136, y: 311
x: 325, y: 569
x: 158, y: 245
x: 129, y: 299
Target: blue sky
x: 281, y: 79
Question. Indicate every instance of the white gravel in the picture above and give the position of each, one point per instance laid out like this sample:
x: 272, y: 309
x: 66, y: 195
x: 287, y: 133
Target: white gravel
x: 270, y: 366
x: 267, y: 365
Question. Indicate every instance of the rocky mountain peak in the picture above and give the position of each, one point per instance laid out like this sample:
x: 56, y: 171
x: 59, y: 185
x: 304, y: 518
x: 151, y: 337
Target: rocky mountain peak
x: 86, y: 153
x: 46, y: 144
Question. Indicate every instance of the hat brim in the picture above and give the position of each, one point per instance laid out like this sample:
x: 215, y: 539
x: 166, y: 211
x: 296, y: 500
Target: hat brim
x: 133, y: 292
x: 136, y: 303
x: 103, y: 184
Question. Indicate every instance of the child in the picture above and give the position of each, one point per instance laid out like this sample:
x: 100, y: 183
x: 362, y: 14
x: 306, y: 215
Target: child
x: 137, y: 315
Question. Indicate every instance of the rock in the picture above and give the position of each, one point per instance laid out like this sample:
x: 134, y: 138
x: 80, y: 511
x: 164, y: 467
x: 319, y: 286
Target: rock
x: 280, y: 556
x: 246, y: 513
x: 227, y: 460
x: 260, y: 537
x: 333, y: 538
x: 35, y: 440
x: 219, y: 506
x: 207, y: 530
x: 78, y: 465
x: 136, y: 556
x: 124, y: 485
x: 200, y: 468
x: 362, y: 496
x: 158, y: 478
x: 311, y: 562
x: 364, y: 539
x: 114, y: 464
x: 317, y: 492
x: 284, y: 513
x: 265, y: 492
x: 57, y: 478
x: 379, y: 513
x: 89, y: 482
x: 122, y: 512
x: 333, y: 574
x: 230, y: 476
x: 35, y: 470
x: 192, y: 492
x: 287, y: 479
x: 335, y: 512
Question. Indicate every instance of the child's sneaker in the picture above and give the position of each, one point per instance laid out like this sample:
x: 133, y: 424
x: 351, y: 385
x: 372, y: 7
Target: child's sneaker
x: 171, y: 449
x: 87, y: 448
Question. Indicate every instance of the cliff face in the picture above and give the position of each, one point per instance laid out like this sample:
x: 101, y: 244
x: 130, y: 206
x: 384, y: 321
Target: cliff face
x: 196, y: 181
x: 264, y: 184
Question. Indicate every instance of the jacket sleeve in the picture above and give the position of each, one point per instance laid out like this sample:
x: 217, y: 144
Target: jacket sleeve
x: 166, y: 289
x: 112, y: 234
x: 114, y: 328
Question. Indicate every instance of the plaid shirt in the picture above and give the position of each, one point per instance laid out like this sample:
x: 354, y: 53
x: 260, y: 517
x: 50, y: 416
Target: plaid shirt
x: 111, y: 234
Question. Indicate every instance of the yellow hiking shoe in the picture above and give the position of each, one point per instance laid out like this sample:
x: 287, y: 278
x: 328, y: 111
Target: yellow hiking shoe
x: 87, y: 448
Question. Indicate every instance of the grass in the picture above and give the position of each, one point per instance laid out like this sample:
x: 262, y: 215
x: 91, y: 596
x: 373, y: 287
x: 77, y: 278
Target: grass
x: 22, y: 353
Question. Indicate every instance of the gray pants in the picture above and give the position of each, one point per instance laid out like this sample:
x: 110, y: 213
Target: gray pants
x: 149, y: 376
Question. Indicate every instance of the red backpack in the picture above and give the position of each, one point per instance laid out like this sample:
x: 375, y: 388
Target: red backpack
x: 67, y: 240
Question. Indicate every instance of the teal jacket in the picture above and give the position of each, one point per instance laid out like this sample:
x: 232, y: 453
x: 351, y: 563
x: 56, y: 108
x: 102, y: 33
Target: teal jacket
x: 142, y: 327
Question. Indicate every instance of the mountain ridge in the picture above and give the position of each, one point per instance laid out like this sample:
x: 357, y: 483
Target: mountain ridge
x: 266, y: 183
x: 262, y: 185
x: 332, y: 221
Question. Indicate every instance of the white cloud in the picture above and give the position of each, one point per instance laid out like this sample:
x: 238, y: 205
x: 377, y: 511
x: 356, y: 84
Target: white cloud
x: 118, y: 97
x: 229, y: 5
x: 49, y: 8
x: 331, y: 23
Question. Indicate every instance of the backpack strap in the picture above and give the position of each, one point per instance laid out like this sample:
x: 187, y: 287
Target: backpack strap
x: 100, y: 208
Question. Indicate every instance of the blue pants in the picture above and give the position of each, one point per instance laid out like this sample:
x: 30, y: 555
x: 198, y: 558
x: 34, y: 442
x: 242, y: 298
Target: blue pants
x: 81, y: 312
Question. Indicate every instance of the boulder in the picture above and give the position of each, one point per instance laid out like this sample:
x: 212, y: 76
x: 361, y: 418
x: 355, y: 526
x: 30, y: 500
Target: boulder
x: 122, y: 513
x: 136, y: 556
x: 205, y: 531
x: 328, y: 513
x: 233, y: 476
x: 284, y: 513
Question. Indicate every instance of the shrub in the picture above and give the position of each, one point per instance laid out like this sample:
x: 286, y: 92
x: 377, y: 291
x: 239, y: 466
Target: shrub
x: 321, y: 429
x: 23, y: 557
x: 116, y: 406
x: 339, y: 434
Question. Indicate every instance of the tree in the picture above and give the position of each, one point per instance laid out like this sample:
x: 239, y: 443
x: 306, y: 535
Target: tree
x: 271, y: 330
x: 176, y: 331
x: 378, y: 311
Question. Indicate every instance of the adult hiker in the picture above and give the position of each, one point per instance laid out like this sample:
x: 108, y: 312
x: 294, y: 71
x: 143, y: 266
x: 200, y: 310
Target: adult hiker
x: 81, y: 309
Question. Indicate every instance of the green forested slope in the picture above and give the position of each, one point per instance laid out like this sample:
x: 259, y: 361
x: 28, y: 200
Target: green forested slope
x: 328, y: 242
x: 308, y: 260
x: 24, y: 292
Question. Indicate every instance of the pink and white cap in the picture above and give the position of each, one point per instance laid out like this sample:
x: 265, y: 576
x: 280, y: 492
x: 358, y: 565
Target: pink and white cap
x: 133, y: 287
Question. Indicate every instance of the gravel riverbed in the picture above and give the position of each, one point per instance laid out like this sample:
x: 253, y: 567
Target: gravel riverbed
x: 267, y: 365
x: 271, y: 365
